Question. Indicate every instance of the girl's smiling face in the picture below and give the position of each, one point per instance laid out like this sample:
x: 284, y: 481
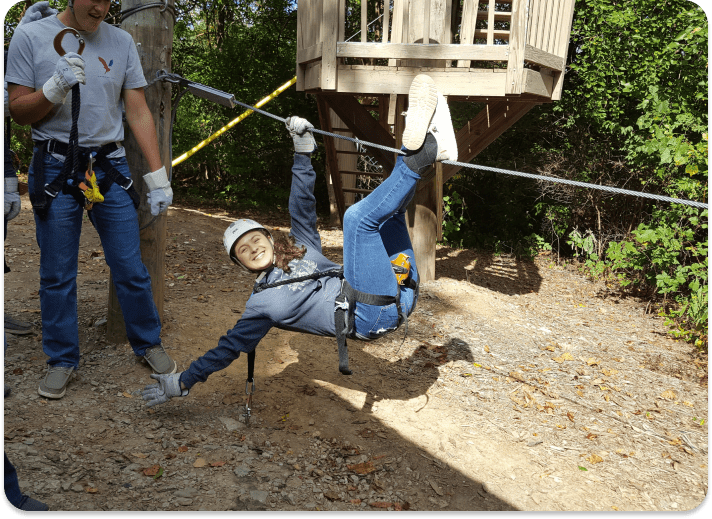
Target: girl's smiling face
x: 255, y: 250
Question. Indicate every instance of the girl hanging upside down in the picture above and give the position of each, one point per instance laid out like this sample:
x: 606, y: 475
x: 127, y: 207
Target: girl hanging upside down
x: 297, y: 288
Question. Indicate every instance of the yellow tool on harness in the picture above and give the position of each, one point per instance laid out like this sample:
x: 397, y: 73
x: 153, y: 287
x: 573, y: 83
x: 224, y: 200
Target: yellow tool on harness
x: 401, y: 268
x: 90, y: 188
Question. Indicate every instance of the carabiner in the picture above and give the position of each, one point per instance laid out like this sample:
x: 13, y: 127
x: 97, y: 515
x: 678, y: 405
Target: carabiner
x: 60, y: 35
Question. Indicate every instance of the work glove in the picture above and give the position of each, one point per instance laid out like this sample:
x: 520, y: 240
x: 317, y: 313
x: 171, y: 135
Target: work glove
x: 303, y: 139
x: 160, y: 194
x: 69, y: 72
x: 37, y: 12
x: 12, y: 198
x: 168, y: 387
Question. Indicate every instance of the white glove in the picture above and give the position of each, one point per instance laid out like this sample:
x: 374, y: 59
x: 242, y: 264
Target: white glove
x: 168, y: 387
x: 12, y: 198
x: 299, y: 130
x: 160, y: 194
x: 37, y: 12
x: 69, y: 72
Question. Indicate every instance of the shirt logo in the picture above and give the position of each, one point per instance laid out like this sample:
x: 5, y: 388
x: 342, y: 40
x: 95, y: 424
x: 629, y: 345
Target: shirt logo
x: 111, y: 62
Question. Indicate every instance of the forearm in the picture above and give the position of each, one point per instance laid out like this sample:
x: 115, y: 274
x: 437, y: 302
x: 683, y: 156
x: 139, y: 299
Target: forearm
x: 29, y: 108
x: 143, y: 129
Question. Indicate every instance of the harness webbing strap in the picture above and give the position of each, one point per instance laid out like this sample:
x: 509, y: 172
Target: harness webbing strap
x: 251, y: 366
x: 344, y: 308
x: 259, y: 287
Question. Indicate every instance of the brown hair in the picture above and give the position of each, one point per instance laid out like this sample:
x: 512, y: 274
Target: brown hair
x: 286, y: 249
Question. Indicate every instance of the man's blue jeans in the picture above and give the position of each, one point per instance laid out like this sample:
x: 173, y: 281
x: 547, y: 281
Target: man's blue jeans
x: 375, y: 232
x: 116, y: 221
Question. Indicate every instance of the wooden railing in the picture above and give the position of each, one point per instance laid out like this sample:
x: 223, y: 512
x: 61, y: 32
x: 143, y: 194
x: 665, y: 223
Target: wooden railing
x: 516, y: 34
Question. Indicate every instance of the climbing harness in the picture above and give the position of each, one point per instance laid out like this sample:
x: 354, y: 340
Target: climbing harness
x: 345, y: 303
x: 85, y: 188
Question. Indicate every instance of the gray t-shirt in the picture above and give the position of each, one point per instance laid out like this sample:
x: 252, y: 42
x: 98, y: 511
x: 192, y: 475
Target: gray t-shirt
x: 112, y: 64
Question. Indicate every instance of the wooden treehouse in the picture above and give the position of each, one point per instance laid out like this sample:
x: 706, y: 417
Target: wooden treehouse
x: 509, y: 55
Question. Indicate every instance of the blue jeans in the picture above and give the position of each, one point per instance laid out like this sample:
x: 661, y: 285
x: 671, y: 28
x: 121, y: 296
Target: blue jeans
x: 12, y: 487
x: 375, y: 232
x: 116, y: 221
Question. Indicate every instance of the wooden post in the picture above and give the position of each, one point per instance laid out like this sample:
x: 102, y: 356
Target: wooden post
x: 152, y: 30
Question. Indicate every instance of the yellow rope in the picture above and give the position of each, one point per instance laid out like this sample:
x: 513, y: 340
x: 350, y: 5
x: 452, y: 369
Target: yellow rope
x: 232, y: 123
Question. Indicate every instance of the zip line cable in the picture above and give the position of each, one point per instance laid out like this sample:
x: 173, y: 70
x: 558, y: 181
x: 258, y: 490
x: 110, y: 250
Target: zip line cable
x: 359, y: 142
x: 611, y: 189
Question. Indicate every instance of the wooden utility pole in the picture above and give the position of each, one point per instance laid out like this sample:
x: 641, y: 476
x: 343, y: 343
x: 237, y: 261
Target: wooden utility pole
x: 152, y: 31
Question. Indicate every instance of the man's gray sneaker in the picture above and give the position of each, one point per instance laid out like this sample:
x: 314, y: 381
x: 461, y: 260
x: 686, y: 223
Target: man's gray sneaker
x: 16, y: 327
x: 159, y: 360
x: 55, y: 382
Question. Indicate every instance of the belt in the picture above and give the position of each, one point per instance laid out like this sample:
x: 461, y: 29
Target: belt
x: 62, y: 148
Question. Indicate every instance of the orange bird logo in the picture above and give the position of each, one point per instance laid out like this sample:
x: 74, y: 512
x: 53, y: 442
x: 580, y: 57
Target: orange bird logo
x: 105, y: 65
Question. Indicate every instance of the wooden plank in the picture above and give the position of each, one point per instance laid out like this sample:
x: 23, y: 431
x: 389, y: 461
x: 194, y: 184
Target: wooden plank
x: 309, y: 54
x: 426, y: 22
x: 490, y: 22
x: 467, y: 27
x: 532, y: 21
x: 386, y: 19
x: 364, y: 173
x: 363, y: 126
x: 555, y: 22
x: 312, y: 75
x: 329, y: 32
x: 357, y: 190
x: 562, y: 47
x: 364, y: 21
x: 420, y: 51
x: 543, y: 59
x: 538, y: 82
x: 499, y: 16
x: 497, y: 34
x: 423, y: 224
x: 517, y: 41
x: 400, y: 27
x: 452, y: 81
x: 332, y: 162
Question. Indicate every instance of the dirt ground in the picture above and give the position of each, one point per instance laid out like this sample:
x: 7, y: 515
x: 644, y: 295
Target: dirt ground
x: 519, y: 386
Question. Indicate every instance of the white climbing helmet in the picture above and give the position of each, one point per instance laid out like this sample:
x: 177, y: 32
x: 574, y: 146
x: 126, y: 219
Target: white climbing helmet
x: 235, y: 231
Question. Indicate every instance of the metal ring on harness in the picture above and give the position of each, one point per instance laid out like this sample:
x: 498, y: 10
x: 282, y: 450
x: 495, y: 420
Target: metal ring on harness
x: 60, y: 36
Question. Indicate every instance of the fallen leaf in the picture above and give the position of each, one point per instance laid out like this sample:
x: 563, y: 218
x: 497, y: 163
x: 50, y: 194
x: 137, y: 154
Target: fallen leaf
x: 127, y: 395
x: 151, y: 471
x: 182, y: 448
x: 380, y: 504
x: 594, y: 458
x: 591, y: 436
x: 570, y: 415
x: 217, y: 463
x: 669, y: 395
x: 92, y: 490
x: 139, y: 455
x: 609, y: 372
x: 200, y: 462
x: 159, y: 474
x: 362, y: 468
x: 487, y: 349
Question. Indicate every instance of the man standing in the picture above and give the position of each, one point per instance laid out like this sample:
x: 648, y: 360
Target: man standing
x: 108, y: 77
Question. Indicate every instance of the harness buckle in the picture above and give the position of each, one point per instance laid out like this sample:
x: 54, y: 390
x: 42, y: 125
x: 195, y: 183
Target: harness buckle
x: 249, y: 391
x: 51, y: 191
